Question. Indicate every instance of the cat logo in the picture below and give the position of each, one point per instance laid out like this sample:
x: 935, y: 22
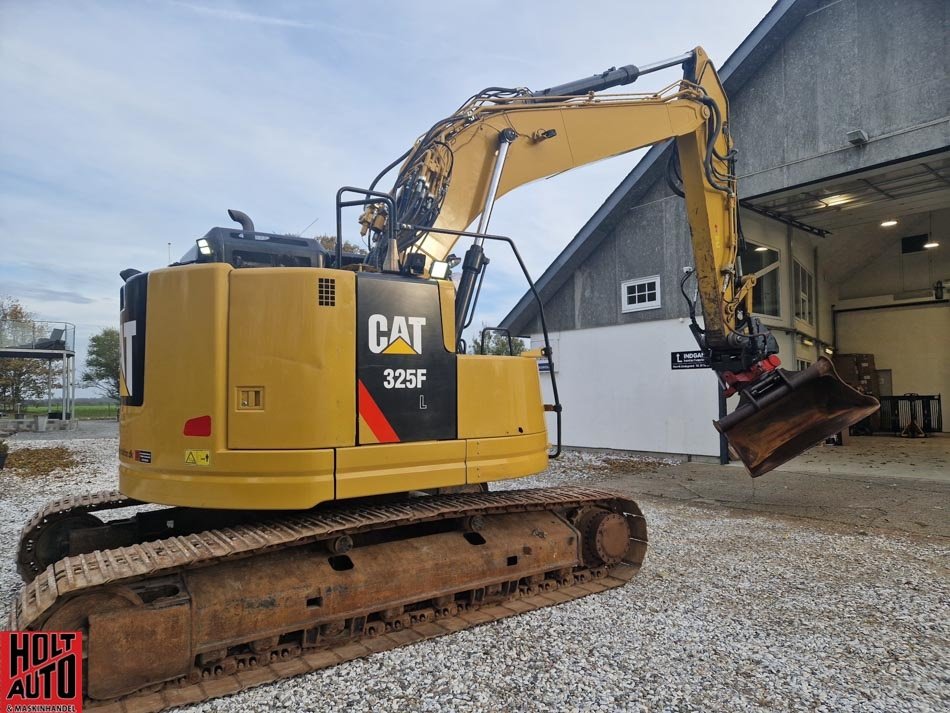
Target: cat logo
x: 404, y: 336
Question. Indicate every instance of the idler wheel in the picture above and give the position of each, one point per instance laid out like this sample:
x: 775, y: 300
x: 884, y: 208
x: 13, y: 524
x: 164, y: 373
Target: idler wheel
x: 52, y: 543
x: 606, y: 537
x: 73, y: 615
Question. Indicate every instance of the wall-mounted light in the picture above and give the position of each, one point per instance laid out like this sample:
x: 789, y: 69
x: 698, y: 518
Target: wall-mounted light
x: 808, y: 342
x: 932, y: 244
x: 890, y: 223
x: 858, y: 137
x: 761, y: 249
x: 829, y: 351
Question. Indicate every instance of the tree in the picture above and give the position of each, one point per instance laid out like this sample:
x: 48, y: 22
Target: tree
x: 329, y: 243
x: 20, y: 379
x: 497, y: 343
x: 102, y: 363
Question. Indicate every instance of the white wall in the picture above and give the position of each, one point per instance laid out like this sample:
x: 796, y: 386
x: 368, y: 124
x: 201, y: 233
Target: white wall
x: 914, y: 342
x: 619, y: 391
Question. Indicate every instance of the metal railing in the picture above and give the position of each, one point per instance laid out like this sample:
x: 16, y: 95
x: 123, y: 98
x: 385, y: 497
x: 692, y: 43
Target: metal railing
x: 37, y: 335
x: 897, y: 412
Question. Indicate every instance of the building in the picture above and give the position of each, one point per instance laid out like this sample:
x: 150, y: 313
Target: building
x: 841, y: 115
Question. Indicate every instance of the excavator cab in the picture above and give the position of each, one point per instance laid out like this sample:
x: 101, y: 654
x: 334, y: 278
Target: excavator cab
x: 783, y: 413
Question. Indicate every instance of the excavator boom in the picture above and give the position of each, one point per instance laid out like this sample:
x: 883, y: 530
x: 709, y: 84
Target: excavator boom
x: 504, y: 138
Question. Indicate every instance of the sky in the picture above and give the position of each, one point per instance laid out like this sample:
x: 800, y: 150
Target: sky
x: 128, y: 126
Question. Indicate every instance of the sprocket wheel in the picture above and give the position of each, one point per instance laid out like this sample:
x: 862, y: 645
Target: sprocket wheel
x: 606, y: 537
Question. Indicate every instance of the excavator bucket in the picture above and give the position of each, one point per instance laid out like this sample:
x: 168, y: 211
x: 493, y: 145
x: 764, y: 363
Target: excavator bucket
x: 787, y: 412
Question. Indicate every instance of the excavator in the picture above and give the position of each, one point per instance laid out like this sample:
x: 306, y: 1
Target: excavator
x: 306, y: 446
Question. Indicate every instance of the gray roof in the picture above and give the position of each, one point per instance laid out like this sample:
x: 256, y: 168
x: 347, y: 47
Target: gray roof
x: 742, y: 64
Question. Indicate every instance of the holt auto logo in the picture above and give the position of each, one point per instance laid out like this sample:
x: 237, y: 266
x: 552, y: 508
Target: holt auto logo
x: 40, y: 671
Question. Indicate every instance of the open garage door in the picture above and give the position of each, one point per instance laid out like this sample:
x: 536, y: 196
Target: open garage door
x: 869, y: 284
x: 909, y: 345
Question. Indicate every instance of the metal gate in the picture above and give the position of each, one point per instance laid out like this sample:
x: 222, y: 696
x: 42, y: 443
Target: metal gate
x: 897, y: 411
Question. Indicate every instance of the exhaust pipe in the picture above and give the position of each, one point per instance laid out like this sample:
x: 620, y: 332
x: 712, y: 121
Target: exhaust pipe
x: 247, y: 225
x: 787, y: 412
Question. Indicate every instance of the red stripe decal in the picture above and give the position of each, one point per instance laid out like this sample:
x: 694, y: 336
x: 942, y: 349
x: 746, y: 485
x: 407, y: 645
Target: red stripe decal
x: 374, y: 417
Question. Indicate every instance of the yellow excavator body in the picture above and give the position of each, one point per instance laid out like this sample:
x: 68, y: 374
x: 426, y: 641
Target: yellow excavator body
x: 254, y: 395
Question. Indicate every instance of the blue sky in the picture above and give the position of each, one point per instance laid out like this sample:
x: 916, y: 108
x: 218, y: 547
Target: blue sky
x: 130, y: 125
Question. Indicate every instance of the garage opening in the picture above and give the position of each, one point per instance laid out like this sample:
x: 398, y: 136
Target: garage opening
x: 867, y: 286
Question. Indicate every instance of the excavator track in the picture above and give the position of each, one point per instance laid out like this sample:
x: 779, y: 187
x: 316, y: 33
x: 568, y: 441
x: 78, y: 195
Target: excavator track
x: 56, y: 514
x: 191, y: 617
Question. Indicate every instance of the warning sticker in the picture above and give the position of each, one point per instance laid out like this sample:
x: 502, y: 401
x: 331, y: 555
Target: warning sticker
x: 41, y: 671
x: 197, y: 457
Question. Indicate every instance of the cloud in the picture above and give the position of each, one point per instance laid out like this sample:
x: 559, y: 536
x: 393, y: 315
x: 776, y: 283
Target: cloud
x: 27, y: 292
x: 360, y: 30
x: 238, y: 16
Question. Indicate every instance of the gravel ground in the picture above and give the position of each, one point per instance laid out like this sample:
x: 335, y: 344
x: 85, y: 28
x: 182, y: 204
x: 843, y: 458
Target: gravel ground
x: 731, y: 612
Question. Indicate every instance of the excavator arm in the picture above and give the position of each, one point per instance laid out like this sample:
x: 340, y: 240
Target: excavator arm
x: 514, y: 137
x: 502, y: 138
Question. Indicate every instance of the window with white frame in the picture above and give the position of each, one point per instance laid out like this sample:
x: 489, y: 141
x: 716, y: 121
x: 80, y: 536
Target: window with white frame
x: 802, y: 364
x: 639, y: 294
x: 804, y: 291
x: 764, y: 263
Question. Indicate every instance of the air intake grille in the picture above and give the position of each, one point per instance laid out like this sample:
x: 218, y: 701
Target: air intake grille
x: 326, y: 291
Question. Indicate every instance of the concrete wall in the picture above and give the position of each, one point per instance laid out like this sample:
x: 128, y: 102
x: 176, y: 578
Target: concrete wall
x: 619, y: 391
x: 650, y: 239
x: 876, y: 65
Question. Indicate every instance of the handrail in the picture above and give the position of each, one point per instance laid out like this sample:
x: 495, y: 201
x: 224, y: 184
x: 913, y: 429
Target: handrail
x: 38, y: 335
x: 548, y: 352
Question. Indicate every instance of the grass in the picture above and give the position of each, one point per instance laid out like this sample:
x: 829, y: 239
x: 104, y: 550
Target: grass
x: 84, y: 412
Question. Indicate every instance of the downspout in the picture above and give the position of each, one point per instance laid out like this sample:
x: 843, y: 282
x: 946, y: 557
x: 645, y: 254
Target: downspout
x: 818, y: 340
x: 790, y: 299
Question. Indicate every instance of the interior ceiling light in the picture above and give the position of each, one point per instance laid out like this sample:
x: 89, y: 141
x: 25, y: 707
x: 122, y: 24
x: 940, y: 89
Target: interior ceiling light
x: 932, y: 244
x: 760, y: 249
x: 889, y: 223
x: 831, y: 201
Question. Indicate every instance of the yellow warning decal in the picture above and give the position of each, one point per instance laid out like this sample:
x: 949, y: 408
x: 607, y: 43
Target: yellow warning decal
x: 399, y: 346
x: 197, y: 457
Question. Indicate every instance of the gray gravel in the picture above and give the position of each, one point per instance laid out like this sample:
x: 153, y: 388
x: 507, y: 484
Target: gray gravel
x: 731, y: 612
